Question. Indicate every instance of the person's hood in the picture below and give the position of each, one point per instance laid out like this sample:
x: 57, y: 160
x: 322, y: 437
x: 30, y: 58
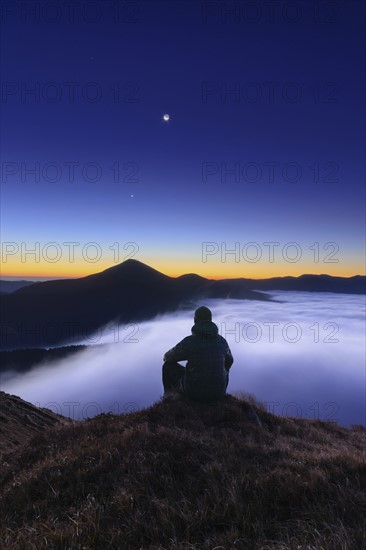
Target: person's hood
x: 205, y: 329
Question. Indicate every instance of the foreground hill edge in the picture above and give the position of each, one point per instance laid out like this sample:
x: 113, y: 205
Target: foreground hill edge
x: 180, y: 474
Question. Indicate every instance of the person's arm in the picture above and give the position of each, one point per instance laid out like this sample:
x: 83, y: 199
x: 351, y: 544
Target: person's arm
x: 229, y: 359
x: 179, y: 352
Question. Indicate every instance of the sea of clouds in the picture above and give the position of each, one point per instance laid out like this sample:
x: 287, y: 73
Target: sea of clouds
x: 302, y: 355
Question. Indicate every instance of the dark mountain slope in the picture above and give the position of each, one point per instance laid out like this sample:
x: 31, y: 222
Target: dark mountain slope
x: 7, y: 287
x: 49, y: 313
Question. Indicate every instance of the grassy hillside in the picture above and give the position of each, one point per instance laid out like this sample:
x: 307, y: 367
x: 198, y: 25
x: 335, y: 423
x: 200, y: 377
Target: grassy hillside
x: 188, y: 476
x: 20, y: 421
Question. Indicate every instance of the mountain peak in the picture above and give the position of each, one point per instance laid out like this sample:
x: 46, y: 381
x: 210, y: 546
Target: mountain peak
x: 134, y: 268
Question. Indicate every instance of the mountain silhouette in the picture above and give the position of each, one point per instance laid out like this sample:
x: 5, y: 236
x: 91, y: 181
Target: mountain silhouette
x: 310, y: 283
x: 63, y: 311
x: 51, y: 313
x: 7, y: 287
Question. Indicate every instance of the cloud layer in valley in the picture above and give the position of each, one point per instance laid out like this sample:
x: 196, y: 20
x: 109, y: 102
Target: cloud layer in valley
x: 303, y: 355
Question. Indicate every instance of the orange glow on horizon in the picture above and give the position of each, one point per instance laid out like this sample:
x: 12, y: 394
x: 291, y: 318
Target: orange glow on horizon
x: 213, y: 270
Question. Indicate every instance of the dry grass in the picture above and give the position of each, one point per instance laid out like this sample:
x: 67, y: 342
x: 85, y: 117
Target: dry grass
x: 187, y: 476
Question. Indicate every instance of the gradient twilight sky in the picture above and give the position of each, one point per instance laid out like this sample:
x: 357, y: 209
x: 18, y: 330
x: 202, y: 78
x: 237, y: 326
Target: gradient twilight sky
x: 265, y: 143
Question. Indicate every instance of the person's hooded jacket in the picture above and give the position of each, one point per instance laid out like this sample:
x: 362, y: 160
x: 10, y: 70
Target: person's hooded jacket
x: 208, y: 359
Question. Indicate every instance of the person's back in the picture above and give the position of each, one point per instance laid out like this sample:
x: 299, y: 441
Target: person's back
x: 206, y: 373
x: 209, y: 359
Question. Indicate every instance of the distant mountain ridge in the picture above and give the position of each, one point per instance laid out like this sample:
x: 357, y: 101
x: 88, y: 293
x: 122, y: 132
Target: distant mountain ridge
x: 310, y: 283
x: 51, y: 313
x: 7, y: 287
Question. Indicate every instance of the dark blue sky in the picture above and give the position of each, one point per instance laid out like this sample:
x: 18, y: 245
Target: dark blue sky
x: 265, y: 144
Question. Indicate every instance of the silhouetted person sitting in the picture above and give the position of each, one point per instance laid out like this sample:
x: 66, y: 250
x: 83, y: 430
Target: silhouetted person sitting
x: 208, y: 356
